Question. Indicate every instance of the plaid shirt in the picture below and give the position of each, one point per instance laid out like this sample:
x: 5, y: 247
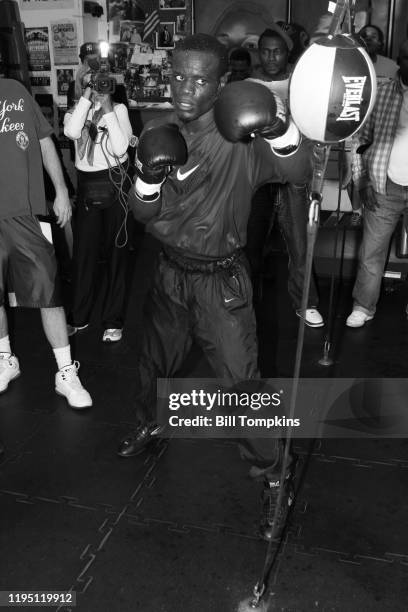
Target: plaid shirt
x: 378, y: 132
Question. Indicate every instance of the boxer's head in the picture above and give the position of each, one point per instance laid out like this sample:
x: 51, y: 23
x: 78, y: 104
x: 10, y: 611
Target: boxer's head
x: 199, y: 65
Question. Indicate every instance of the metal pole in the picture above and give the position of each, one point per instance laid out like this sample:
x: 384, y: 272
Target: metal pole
x: 390, y: 27
x: 289, y: 11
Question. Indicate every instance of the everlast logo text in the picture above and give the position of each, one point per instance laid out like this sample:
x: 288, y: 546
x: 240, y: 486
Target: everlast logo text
x: 352, y: 98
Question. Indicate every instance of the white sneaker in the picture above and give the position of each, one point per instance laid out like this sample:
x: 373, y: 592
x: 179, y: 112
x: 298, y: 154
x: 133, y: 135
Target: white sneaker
x: 9, y: 370
x: 67, y: 383
x: 312, y: 317
x: 112, y: 335
x: 358, y: 318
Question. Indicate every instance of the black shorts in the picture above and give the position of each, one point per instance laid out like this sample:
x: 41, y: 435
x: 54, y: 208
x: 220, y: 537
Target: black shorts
x: 28, y: 267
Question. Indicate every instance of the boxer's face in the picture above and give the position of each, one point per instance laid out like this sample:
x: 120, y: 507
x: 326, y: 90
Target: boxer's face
x: 273, y: 55
x: 195, y: 83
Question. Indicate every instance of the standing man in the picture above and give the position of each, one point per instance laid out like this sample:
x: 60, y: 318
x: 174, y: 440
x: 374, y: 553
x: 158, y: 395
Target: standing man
x: 27, y: 259
x: 373, y: 37
x: 385, y: 69
x: 288, y: 201
x: 382, y: 182
x: 199, y: 211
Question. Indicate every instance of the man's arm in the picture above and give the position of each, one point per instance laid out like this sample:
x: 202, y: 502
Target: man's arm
x: 277, y: 154
x: 62, y: 205
x: 159, y: 149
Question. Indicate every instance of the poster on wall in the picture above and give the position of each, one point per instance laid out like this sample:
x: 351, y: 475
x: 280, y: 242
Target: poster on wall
x: 46, y: 4
x: 38, y: 50
x: 64, y: 78
x: 40, y: 81
x: 64, y: 41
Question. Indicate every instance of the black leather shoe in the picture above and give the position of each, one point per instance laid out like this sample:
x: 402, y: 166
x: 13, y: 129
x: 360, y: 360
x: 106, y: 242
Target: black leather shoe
x: 1, y: 452
x: 269, y: 501
x: 270, y: 494
x: 138, y: 439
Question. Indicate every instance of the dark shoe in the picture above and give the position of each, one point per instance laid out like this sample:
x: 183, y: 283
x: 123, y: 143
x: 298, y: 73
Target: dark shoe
x: 269, y: 500
x: 138, y: 439
x: 1, y: 452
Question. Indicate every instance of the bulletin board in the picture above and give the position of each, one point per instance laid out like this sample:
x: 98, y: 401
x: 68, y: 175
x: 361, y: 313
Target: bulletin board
x: 143, y: 57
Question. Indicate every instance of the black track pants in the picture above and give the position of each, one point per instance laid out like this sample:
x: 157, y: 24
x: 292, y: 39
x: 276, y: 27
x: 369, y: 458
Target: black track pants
x: 216, y: 311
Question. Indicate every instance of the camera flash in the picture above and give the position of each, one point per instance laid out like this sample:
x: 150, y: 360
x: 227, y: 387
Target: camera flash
x: 104, y: 49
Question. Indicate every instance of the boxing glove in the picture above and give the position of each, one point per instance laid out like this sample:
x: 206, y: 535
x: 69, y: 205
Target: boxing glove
x: 159, y: 148
x: 245, y: 109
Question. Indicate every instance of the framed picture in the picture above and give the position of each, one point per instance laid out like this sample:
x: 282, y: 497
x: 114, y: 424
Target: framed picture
x: 181, y: 24
x: 165, y: 35
x: 172, y: 5
x: 64, y: 78
x: 131, y: 32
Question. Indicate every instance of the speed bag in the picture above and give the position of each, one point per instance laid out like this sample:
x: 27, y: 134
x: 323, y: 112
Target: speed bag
x: 332, y: 89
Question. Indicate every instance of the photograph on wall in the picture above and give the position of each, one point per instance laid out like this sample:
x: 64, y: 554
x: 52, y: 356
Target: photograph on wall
x: 131, y: 32
x: 149, y: 82
x: 141, y: 55
x: 64, y: 41
x: 38, y: 50
x: 165, y: 35
x: 181, y: 24
x: 172, y: 5
x: 120, y: 11
x: 118, y: 56
x: 64, y: 78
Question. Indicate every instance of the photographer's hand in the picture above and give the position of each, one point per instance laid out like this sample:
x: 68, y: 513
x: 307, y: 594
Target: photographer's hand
x: 62, y: 205
x: 87, y: 94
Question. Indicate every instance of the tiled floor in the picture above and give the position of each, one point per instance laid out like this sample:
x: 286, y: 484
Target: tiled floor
x: 174, y: 530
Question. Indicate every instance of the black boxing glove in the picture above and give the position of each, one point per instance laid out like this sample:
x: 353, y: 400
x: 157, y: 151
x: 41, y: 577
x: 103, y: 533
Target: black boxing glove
x: 159, y: 148
x: 246, y: 109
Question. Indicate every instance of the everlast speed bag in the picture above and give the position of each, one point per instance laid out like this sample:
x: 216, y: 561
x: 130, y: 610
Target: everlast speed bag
x: 332, y: 89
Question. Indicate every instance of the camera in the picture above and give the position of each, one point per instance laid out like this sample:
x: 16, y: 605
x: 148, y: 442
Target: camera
x: 101, y: 81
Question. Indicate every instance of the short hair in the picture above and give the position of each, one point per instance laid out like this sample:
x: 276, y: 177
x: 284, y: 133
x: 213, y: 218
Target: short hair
x: 376, y: 28
x: 241, y: 55
x: 276, y: 32
x: 206, y: 44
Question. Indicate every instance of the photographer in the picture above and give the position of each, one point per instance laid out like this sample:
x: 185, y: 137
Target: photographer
x: 101, y: 130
